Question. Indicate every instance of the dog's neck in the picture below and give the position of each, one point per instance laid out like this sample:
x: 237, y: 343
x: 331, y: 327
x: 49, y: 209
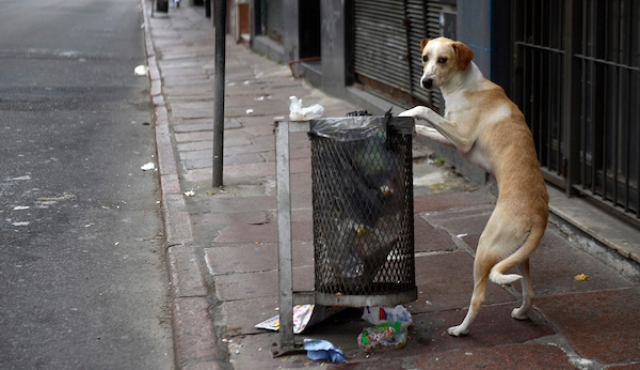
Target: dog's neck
x: 469, y: 80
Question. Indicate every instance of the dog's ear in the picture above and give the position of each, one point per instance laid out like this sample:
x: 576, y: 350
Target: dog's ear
x: 465, y: 55
x: 423, y: 43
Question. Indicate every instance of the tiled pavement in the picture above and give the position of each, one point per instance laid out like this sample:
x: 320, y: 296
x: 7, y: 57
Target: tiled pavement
x: 221, y: 243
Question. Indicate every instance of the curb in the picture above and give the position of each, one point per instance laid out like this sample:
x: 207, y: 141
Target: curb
x: 195, y: 343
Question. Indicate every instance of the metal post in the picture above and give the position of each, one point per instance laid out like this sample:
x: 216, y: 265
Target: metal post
x: 283, y: 195
x: 218, y: 82
x: 286, y: 298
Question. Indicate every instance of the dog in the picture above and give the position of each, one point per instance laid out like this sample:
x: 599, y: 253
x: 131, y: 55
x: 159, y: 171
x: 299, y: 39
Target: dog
x: 489, y: 130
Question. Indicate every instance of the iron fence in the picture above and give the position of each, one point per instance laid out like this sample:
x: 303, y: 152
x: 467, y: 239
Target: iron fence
x: 577, y: 79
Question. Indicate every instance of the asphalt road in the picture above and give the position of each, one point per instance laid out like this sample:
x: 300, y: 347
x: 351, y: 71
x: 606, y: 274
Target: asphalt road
x: 82, y: 283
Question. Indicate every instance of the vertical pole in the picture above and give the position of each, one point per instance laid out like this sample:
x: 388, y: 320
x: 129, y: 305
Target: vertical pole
x: 283, y: 204
x: 220, y: 14
x: 572, y: 36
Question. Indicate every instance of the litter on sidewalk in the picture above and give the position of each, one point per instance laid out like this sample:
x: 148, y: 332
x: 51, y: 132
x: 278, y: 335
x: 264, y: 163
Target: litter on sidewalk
x: 318, y: 349
x: 379, y: 315
x: 148, y: 167
x: 299, y: 113
x: 581, y: 277
x: 304, y: 316
x: 390, y: 330
x: 141, y: 70
x: 387, y: 335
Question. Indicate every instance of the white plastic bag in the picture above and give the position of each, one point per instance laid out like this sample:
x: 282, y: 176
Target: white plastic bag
x: 299, y: 113
x: 379, y: 315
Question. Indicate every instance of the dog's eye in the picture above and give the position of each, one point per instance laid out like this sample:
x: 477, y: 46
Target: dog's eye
x: 425, y: 58
x: 442, y: 60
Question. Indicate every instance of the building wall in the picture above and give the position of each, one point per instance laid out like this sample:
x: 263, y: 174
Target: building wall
x: 334, y: 34
x: 474, y: 29
x: 291, y: 17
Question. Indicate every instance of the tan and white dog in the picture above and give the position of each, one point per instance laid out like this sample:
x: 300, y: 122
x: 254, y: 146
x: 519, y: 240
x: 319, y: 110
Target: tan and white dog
x: 490, y: 131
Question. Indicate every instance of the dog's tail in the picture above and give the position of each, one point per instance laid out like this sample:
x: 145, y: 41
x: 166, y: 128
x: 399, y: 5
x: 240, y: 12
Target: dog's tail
x: 497, y: 272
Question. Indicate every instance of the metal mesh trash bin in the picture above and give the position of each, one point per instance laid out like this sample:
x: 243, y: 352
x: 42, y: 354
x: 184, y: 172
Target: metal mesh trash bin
x: 362, y: 185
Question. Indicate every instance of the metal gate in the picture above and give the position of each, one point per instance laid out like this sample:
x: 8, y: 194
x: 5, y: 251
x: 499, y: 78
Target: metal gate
x: 577, y: 79
x: 387, y: 35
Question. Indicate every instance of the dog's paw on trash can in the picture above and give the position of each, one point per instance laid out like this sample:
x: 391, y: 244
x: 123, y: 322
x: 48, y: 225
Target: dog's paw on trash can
x: 318, y: 349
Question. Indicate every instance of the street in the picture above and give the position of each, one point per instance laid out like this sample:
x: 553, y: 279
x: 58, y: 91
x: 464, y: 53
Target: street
x: 82, y: 279
x: 224, y: 250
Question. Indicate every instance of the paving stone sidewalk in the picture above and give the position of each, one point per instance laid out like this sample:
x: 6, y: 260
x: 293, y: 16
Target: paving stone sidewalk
x: 222, y: 243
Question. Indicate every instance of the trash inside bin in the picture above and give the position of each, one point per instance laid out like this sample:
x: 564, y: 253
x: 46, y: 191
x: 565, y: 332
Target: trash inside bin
x: 362, y: 185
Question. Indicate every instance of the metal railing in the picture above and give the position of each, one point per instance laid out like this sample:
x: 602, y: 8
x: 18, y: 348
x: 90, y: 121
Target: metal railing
x: 577, y: 79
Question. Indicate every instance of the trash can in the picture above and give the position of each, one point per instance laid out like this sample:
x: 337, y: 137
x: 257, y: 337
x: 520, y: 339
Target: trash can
x: 362, y: 189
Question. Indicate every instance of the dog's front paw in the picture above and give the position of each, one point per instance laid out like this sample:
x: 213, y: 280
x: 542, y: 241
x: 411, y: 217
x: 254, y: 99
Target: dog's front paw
x: 457, y: 331
x: 418, y: 112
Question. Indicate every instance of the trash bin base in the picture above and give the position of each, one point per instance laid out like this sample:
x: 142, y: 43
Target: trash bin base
x: 326, y: 299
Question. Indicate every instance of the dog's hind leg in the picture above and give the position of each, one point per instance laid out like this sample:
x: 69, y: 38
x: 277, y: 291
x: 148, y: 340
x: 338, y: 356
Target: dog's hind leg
x: 527, y: 293
x: 482, y: 266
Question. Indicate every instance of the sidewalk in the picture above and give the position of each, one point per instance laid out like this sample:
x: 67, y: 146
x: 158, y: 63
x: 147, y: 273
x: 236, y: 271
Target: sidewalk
x: 222, y: 243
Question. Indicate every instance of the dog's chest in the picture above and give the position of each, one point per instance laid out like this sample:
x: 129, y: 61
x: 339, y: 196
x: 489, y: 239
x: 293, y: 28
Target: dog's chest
x: 478, y: 157
x: 459, y: 111
x: 455, y: 107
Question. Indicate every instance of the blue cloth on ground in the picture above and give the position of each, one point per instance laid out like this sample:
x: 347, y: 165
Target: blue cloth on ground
x: 318, y: 349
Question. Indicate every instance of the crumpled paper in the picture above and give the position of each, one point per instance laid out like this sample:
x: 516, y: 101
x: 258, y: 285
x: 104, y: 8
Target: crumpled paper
x: 319, y: 349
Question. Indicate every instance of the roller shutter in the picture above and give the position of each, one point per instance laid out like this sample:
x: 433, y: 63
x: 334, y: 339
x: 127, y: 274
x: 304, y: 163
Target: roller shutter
x: 416, y: 12
x: 387, y: 35
x: 381, y: 51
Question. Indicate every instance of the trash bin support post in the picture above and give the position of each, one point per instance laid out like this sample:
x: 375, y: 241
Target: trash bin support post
x: 286, y: 345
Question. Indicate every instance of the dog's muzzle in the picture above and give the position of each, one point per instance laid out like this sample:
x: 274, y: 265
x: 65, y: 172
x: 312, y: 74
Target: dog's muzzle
x: 427, y: 83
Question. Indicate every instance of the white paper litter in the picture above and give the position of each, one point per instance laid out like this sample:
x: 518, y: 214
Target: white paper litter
x: 148, y: 167
x: 304, y: 316
x: 141, y: 70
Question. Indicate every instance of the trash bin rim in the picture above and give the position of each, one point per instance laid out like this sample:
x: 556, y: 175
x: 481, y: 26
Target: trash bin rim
x: 359, y: 127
